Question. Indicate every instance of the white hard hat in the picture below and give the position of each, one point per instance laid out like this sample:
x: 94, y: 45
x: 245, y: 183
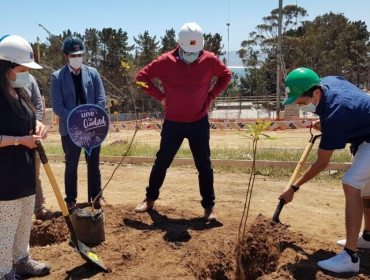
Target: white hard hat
x: 190, y: 37
x: 17, y: 50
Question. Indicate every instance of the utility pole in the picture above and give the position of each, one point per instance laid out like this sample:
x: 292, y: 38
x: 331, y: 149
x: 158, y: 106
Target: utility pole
x: 228, y: 45
x: 38, y: 50
x: 278, y: 60
x: 228, y: 38
x: 228, y: 58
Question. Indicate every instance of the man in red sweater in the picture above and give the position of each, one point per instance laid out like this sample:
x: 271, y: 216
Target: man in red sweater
x: 186, y: 74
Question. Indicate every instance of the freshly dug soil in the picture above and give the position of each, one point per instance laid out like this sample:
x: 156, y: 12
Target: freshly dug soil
x: 174, y: 242
x: 49, y: 232
x: 259, y: 251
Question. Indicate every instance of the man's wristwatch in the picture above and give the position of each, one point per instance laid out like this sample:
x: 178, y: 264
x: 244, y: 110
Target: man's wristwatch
x: 294, y: 188
x: 16, y: 143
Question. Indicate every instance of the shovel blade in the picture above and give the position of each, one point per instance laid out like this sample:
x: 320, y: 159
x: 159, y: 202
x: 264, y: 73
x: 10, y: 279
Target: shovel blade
x: 91, y: 256
x: 87, y: 254
x: 280, y: 206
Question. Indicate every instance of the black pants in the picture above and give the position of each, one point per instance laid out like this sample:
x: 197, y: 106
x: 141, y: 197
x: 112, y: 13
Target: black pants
x: 72, y: 156
x: 172, y: 136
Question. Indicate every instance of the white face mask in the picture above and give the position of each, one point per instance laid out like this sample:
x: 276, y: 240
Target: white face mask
x: 21, y: 79
x: 310, y: 108
x: 75, y: 62
x: 190, y: 57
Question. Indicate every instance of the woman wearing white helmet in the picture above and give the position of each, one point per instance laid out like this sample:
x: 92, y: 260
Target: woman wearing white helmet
x: 19, y: 130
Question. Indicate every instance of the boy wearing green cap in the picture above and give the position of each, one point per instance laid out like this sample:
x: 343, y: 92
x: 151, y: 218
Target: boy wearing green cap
x: 344, y: 112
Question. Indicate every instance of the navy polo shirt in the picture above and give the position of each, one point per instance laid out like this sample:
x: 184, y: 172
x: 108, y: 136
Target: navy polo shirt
x: 344, y: 112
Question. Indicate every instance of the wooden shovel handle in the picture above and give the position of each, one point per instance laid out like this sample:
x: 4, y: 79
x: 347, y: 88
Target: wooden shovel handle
x: 54, y: 184
x: 293, y: 178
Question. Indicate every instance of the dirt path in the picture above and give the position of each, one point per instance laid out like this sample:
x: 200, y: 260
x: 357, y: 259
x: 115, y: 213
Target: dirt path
x: 173, y: 242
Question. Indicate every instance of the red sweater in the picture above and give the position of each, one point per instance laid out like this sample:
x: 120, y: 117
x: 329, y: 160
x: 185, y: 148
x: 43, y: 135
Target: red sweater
x: 187, y: 87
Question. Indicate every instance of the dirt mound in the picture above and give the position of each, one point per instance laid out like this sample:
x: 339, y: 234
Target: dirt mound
x: 176, y: 243
x: 260, y: 248
x: 49, y: 232
x: 273, y: 251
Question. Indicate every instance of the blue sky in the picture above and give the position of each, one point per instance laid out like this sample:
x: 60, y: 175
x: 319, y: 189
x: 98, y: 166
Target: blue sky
x: 135, y: 16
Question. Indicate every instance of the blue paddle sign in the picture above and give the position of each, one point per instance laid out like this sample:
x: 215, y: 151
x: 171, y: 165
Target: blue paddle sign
x: 88, y: 126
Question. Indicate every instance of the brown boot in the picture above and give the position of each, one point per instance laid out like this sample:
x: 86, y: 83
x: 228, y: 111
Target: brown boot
x: 210, y: 214
x: 144, y: 206
x: 45, y: 214
x: 71, y: 205
x: 100, y: 202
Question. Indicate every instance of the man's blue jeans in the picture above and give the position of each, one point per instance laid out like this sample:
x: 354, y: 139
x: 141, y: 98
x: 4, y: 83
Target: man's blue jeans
x: 172, y: 136
x: 72, y: 156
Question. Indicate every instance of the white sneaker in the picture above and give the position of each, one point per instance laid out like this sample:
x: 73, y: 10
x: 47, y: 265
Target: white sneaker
x: 361, y: 243
x: 340, y: 263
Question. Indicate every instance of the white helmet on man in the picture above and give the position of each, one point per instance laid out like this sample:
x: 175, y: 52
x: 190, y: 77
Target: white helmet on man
x: 17, y: 50
x: 190, y: 37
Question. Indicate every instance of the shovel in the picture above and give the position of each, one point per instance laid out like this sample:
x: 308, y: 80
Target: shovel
x: 298, y: 168
x: 86, y: 253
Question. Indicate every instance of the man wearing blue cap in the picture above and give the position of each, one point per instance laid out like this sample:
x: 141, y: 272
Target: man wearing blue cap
x: 73, y: 85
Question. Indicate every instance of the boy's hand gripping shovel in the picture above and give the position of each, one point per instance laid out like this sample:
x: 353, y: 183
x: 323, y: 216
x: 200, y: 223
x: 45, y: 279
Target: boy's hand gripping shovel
x: 295, y: 174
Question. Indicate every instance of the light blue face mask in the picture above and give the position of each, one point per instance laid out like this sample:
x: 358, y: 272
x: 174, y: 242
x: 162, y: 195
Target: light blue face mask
x: 21, y: 79
x: 189, y: 58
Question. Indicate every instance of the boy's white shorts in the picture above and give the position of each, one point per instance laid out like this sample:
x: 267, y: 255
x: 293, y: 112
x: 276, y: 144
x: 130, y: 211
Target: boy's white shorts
x: 358, y: 176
